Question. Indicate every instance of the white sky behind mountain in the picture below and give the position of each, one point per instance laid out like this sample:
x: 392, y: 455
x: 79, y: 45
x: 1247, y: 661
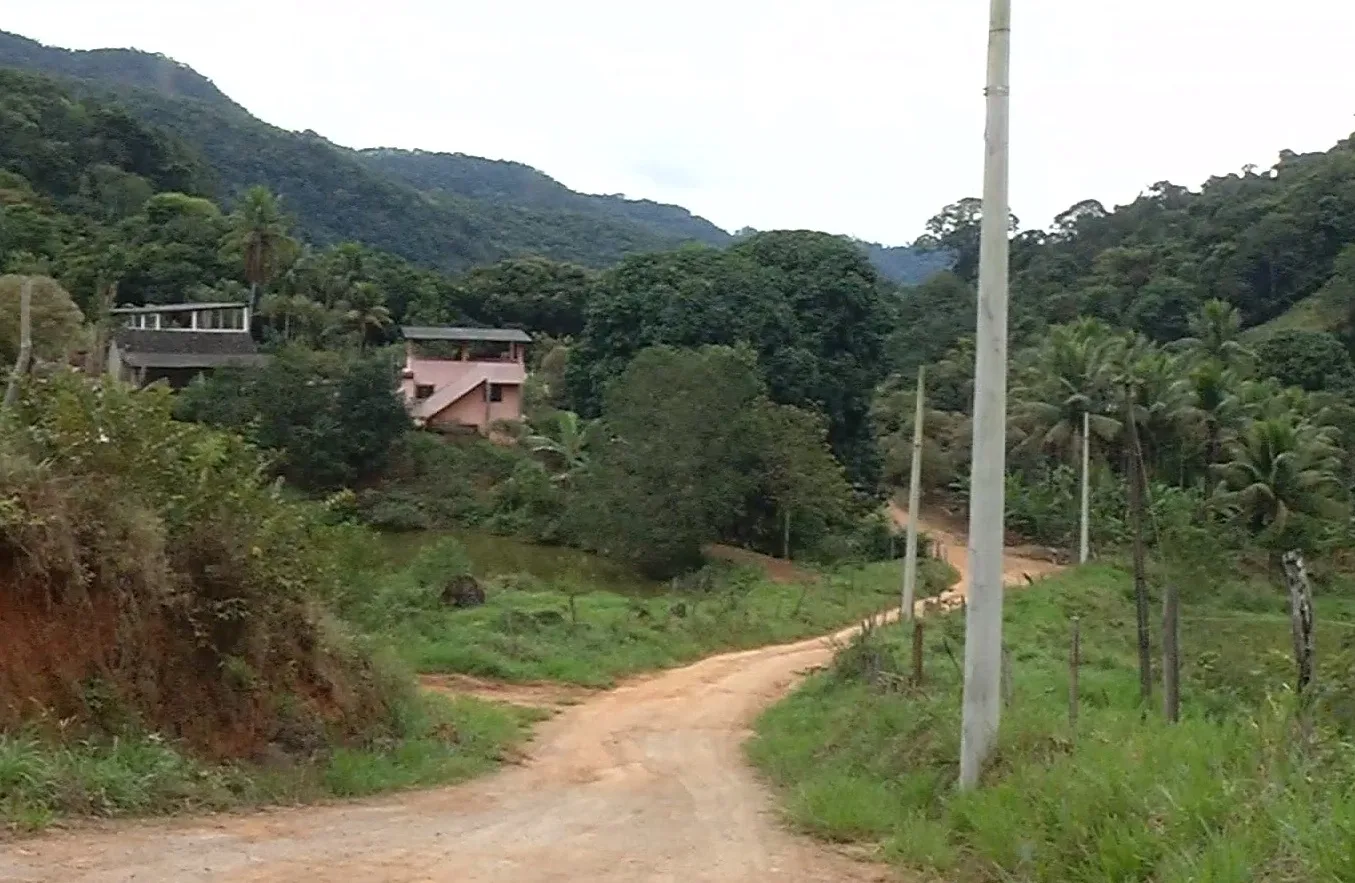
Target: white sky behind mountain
x: 852, y: 116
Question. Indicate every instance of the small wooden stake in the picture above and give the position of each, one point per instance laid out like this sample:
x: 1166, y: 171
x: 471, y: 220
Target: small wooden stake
x: 1074, y: 663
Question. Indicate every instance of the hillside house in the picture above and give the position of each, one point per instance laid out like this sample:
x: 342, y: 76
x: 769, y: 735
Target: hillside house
x: 177, y: 342
x: 464, y: 378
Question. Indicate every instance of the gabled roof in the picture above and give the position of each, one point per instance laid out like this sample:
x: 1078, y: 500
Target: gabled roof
x: 442, y: 332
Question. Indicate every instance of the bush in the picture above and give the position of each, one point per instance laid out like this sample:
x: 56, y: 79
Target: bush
x: 175, y: 568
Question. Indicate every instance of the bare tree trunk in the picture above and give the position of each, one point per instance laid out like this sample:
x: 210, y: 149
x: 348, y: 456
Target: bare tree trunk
x: 1136, y: 506
x: 917, y: 652
x: 1301, y: 614
x: 21, y: 364
x: 1171, y: 652
x: 785, y: 535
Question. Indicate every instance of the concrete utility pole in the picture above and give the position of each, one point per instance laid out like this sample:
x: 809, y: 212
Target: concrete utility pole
x: 1084, y: 550
x: 983, y: 620
x: 914, y: 503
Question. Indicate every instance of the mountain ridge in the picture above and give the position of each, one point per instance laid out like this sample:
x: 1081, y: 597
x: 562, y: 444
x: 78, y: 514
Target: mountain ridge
x: 445, y: 210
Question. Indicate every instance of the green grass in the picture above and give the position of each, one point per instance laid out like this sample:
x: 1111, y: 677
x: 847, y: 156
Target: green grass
x: 1232, y: 793
x: 445, y: 741
x: 1313, y: 313
x: 527, y: 631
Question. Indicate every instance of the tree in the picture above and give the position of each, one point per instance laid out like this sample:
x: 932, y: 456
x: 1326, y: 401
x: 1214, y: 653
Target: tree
x: 365, y: 312
x: 1310, y: 360
x: 562, y: 441
x: 1063, y: 401
x: 672, y: 467
x: 331, y: 418
x: 58, y: 324
x: 809, y: 305
x: 259, y: 237
x: 800, y: 475
x: 956, y: 229
x: 1278, y: 470
x: 1215, y: 335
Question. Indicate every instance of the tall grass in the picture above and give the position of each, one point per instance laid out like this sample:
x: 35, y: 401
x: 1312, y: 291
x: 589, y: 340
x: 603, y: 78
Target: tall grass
x: 1232, y: 793
x: 560, y: 630
x: 444, y: 740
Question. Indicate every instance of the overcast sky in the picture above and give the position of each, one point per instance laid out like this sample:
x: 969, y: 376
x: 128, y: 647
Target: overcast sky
x: 852, y: 116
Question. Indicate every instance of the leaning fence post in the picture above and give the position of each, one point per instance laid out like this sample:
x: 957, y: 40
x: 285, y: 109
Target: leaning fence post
x: 1301, y: 617
x: 1074, y: 662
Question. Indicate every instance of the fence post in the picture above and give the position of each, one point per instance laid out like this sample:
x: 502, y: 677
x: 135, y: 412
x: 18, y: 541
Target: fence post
x: 1301, y: 616
x: 1171, y: 652
x: 1074, y: 663
x: 917, y: 651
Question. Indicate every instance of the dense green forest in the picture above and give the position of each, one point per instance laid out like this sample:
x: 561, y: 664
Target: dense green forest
x: 439, y: 210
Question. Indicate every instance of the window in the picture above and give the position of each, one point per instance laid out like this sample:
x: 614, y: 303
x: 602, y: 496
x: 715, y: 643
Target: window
x: 423, y: 390
x: 495, y: 392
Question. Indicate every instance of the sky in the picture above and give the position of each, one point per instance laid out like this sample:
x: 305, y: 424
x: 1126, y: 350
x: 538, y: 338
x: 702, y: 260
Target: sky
x: 862, y: 117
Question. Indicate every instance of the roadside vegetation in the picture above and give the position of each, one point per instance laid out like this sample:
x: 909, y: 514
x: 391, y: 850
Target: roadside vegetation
x: 1237, y: 791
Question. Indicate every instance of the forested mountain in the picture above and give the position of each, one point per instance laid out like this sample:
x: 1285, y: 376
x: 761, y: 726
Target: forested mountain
x: 443, y: 210
x: 513, y: 183
x: 338, y: 195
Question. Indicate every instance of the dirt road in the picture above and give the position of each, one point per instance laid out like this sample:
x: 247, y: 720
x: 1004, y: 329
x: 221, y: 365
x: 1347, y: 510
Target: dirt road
x: 643, y: 784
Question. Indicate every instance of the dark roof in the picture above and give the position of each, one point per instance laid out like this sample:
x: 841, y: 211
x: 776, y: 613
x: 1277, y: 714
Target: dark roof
x: 175, y: 308
x: 134, y: 341
x: 194, y: 360
x: 496, y: 335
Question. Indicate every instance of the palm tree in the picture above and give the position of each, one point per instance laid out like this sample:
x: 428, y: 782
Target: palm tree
x: 259, y: 235
x: 365, y: 311
x: 1216, y: 335
x: 1277, y: 468
x: 1217, y: 407
x: 1062, y: 402
x: 563, y: 441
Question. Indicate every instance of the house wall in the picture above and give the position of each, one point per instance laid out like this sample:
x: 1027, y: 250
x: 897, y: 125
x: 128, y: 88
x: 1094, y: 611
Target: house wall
x: 470, y: 409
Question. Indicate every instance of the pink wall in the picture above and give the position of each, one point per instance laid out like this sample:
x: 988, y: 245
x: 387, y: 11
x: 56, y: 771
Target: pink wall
x: 469, y: 409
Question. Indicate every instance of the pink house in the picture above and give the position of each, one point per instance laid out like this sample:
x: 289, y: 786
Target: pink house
x: 458, y: 378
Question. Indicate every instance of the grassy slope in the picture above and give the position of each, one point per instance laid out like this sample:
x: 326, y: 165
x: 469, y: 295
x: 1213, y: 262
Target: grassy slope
x: 447, y: 740
x: 1224, y: 796
x: 526, y: 630
x: 1313, y: 313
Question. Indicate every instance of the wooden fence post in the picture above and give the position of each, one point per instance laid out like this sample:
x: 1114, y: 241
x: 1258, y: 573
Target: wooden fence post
x: 1074, y: 663
x: 917, y: 652
x: 1301, y: 616
x: 1171, y: 652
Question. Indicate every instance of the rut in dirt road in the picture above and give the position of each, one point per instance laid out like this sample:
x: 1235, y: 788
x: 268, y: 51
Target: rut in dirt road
x: 643, y: 784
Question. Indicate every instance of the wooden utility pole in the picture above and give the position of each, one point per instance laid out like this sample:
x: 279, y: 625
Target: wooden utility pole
x: 914, y: 504
x: 1136, y: 506
x: 1085, y: 535
x: 25, y: 358
x: 982, y: 707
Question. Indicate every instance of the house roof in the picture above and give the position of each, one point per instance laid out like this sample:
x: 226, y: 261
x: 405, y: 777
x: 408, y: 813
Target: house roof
x: 147, y: 341
x: 194, y: 360
x: 442, y: 332
x: 175, y: 308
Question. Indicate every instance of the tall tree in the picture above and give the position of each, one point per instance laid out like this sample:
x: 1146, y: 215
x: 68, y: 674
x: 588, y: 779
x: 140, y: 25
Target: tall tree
x: 259, y: 235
